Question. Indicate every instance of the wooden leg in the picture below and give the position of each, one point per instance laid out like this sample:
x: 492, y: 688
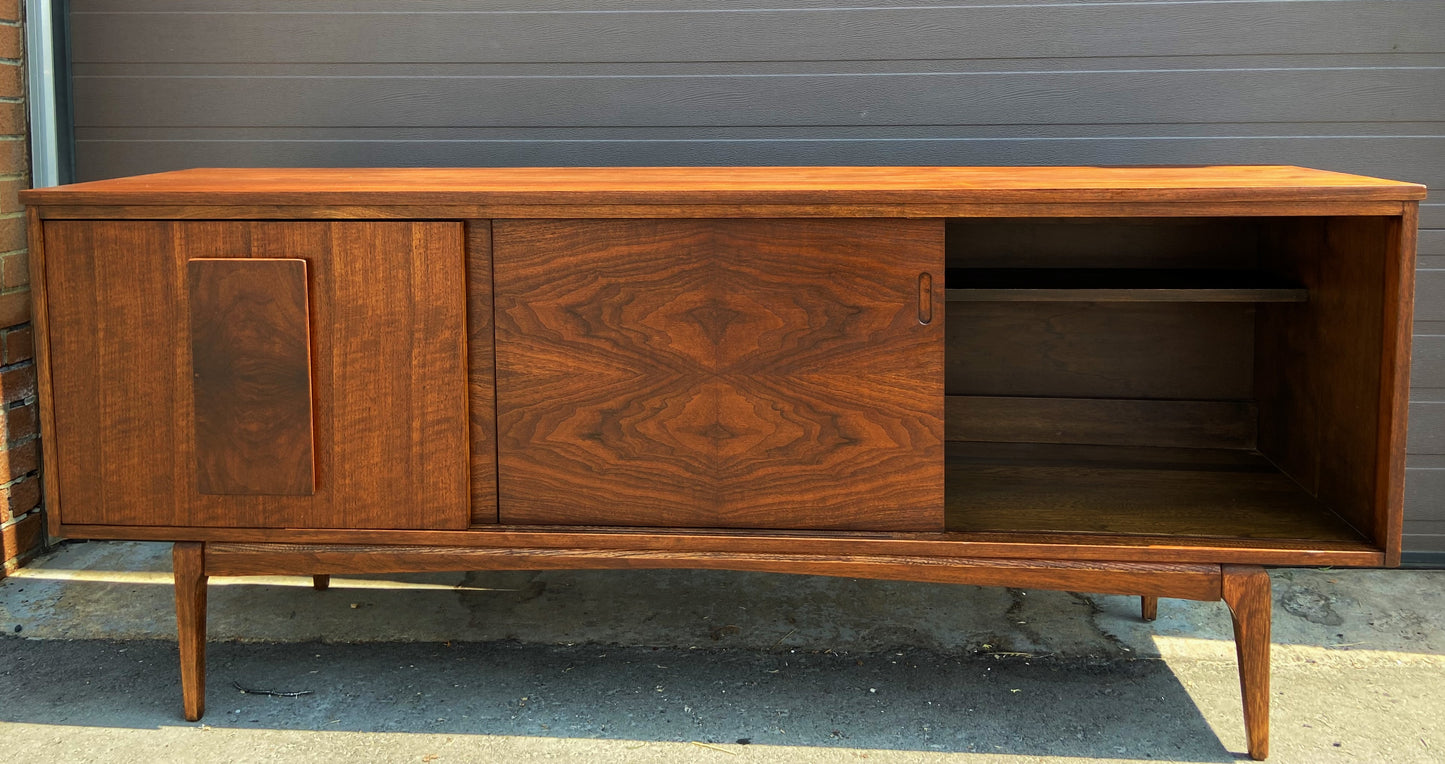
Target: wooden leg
x: 1246, y: 591
x: 1148, y: 607
x: 190, y: 570
x: 321, y: 582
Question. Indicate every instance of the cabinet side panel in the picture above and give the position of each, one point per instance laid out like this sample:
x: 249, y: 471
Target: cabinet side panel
x: 115, y: 419
x: 481, y: 372
x: 720, y: 373
x: 1319, y: 363
x: 1395, y: 388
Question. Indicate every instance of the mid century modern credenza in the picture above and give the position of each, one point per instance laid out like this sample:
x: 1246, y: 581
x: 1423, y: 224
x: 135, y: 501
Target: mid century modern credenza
x: 1148, y: 381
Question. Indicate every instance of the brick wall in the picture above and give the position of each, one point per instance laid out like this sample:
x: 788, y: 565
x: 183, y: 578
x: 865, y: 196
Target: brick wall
x: 21, y: 526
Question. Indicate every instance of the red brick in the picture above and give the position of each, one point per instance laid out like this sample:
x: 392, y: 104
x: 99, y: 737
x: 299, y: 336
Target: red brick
x: 16, y: 269
x: 12, y: 233
x: 10, y: 195
x: 19, y: 497
x: 14, y: 156
x: 13, y: 120
x: 12, y: 80
x: 17, y: 384
x: 20, y: 460
x: 9, y: 10
x: 14, y: 308
x: 19, y: 345
x: 20, y: 540
x: 10, y: 42
x: 18, y: 422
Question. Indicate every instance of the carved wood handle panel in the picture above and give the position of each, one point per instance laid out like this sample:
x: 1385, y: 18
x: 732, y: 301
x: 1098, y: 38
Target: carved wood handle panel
x: 719, y: 373
x: 251, y: 376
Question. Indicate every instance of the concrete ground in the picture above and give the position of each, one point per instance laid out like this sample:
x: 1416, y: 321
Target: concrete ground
x: 664, y: 666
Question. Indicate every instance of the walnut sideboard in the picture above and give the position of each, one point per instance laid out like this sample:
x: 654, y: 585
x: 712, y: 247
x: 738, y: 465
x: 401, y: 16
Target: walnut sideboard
x: 1147, y: 381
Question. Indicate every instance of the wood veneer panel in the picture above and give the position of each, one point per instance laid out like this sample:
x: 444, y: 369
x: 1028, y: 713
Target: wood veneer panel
x: 301, y: 210
x: 116, y: 427
x: 1186, y: 581
x: 1188, y: 351
x: 398, y: 305
x: 1204, y: 493
x: 1101, y: 421
x: 40, y: 311
x: 767, y: 374
x: 1327, y: 372
x: 251, y: 376
x: 1389, y: 518
x: 1246, y: 589
x: 730, y: 185
x: 388, y: 364
x: 1015, y: 545
x: 189, y: 566
x: 481, y: 373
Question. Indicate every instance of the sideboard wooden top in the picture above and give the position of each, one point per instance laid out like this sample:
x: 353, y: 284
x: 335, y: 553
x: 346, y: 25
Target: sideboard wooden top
x: 729, y: 185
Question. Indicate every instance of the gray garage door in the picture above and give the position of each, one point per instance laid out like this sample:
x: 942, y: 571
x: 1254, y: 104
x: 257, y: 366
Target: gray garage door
x: 1351, y: 85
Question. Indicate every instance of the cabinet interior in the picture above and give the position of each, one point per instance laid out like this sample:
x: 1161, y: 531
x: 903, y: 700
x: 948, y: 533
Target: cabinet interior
x: 1198, y: 378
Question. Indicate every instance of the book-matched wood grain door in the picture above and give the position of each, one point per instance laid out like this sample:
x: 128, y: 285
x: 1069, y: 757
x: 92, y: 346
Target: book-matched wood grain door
x: 720, y: 373
x: 259, y: 374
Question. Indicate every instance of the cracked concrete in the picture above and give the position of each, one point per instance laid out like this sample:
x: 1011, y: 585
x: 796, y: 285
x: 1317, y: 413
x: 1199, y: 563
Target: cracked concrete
x: 1359, y: 657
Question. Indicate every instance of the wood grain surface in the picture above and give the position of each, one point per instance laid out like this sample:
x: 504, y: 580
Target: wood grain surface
x: 1387, y: 524
x: 1005, y: 545
x: 767, y: 374
x: 40, y: 316
x: 998, y: 487
x: 1246, y: 589
x: 388, y: 362
x: 481, y: 373
x: 251, y: 376
x: 1185, y: 351
x: 1101, y: 421
x: 212, y: 210
x: 729, y: 185
x: 189, y: 567
x: 1318, y: 364
x: 1198, y: 582
x: 1148, y: 607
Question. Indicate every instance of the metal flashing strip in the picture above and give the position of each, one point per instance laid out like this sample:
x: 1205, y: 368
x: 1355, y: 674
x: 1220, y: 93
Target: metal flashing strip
x: 41, y: 67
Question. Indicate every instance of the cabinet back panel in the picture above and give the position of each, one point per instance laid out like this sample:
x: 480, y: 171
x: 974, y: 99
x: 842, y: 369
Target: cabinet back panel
x: 1191, y: 351
x: 1230, y: 243
x: 1101, y: 421
x: 388, y: 359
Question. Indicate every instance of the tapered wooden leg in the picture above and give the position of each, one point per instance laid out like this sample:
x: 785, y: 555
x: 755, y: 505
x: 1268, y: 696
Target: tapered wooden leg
x: 321, y: 582
x: 190, y: 570
x: 1246, y: 591
x: 1148, y: 607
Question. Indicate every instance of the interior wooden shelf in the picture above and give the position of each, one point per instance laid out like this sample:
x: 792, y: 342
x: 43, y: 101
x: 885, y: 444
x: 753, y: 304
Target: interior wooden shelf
x: 1136, y: 491
x: 1118, y: 285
